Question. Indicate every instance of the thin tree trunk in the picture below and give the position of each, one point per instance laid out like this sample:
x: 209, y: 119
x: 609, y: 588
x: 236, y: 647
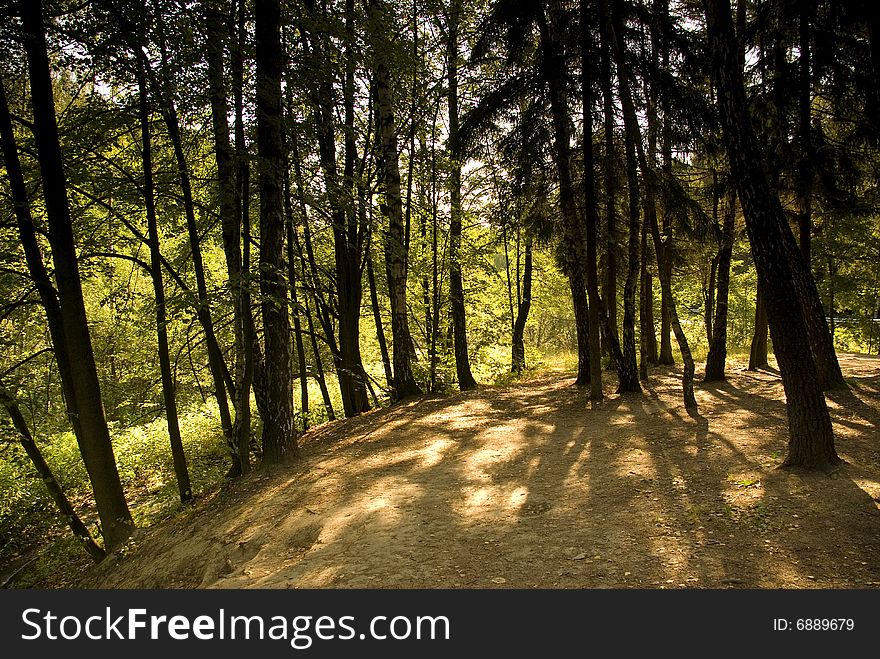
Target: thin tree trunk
x: 661, y: 248
x: 95, y: 444
x: 230, y: 220
x: 168, y: 385
x: 518, y: 349
x: 666, y: 356
x: 456, y: 290
x: 610, y: 181
x: 162, y: 90
x: 377, y: 318
x: 74, y: 523
x: 811, y: 438
x: 715, y: 361
x: 574, y: 239
x: 630, y: 376
x: 590, y: 209
x: 295, y: 309
x: 251, y: 350
x: 279, y: 434
x: 405, y: 384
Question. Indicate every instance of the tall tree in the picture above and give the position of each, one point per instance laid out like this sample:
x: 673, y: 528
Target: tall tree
x: 405, y: 384
x: 95, y: 443
x: 456, y: 290
x: 590, y: 205
x: 279, y: 433
x: 169, y: 394
x: 811, y: 438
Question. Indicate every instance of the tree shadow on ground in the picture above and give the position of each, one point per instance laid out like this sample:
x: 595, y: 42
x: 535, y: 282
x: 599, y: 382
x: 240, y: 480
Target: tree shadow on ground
x: 535, y: 486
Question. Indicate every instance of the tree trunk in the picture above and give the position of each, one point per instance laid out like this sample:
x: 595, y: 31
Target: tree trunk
x: 610, y: 180
x: 168, y: 385
x: 405, y: 384
x: 715, y: 361
x: 811, y: 438
x: 456, y: 291
x: 518, y: 348
x: 162, y: 90
x: 250, y: 346
x: 377, y: 319
x: 590, y: 209
x: 646, y: 328
x: 758, y: 349
x: 574, y: 240
x: 95, y: 446
x: 630, y: 379
x: 74, y: 523
x: 230, y: 221
x: 279, y: 434
x: 662, y: 248
x: 295, y: 309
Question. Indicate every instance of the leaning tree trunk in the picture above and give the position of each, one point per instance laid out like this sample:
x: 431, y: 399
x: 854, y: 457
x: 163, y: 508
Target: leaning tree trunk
x: 168, y: 385
x: 279, y: 433
x: 74, y: 523
x: 715, y: 361
x: 163, y: 91
x: 661, y: 247
x: 95, y: 445
x: 405, y: 384
x: 456, y: 290
x: 811, y: 437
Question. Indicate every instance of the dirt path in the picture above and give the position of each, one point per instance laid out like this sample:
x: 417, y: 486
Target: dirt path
x: 530, y: 486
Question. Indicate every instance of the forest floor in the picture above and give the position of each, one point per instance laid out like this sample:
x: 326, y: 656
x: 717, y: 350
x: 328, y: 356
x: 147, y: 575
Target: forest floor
x: 532, y: 486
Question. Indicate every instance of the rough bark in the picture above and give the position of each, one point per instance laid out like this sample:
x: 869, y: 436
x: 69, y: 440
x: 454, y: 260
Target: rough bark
x: 95, y: 443
x: 405, y: 384
x: 279, y: 435
x: 230, y: 220
x: 811, y: 438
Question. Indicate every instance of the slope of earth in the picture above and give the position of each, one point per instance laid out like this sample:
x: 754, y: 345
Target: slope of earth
x: 532, y: 486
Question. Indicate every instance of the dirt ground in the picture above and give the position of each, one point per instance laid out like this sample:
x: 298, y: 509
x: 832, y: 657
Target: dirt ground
x: 531, y: 486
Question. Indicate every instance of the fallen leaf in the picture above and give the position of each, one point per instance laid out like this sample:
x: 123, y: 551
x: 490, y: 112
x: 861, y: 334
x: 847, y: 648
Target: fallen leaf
x: 579, y: 557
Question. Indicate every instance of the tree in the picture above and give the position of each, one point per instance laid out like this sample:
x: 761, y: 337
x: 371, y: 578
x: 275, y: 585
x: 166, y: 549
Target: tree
x: 95, y: 443
x: 279, y: 433
x: 811, y: 438
x: 456, y: 292
x: 405, y: 384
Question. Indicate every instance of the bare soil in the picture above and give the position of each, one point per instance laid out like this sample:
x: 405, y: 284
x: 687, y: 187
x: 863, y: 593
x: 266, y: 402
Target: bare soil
x: 532, y: 486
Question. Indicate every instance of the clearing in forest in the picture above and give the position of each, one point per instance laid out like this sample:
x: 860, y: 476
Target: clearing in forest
x: 532, y: 486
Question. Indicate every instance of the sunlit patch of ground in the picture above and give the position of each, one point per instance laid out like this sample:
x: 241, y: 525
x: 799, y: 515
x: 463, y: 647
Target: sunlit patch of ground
x: 534, y: 486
